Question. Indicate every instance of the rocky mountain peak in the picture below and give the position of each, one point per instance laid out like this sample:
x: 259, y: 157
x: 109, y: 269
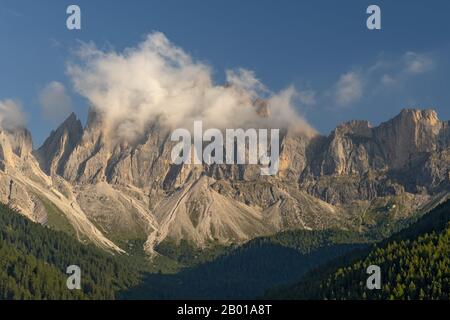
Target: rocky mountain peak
x: 71, y: 119
x: 14, y: 145
x: 355, y: 127
x: 411, y: 132
x: 21, y: 142
x: 355, y: 147
x: 419, y: 115
x: 56, y: 149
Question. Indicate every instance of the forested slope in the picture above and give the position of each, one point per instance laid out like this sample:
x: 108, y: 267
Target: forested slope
x: 415, y: 264
x: 247, y: 271
x: 33, y: 261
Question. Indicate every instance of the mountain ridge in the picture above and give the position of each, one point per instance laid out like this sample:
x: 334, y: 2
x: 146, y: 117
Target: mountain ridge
x: 111, y: 189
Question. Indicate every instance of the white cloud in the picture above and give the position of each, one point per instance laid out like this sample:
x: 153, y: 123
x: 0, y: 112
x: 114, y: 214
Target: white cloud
x: 349, y: 89
x: 387, y: 80
x: 417, y: 63
x: 395, y: 73
x: 157, y: 80
x: 246, y: 80
x: 307, y: 97
x: 11, y: 115
x: 55, y: 102
x: 282, y: 111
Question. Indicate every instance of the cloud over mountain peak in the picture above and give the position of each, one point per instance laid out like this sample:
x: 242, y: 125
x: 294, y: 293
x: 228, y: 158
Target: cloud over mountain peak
x: 158, y: 80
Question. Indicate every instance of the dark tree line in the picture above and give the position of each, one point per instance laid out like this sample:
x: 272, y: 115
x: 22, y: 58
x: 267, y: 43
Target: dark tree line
x: 245, y: 272
x: 415, y: 264
x: 33, y: 262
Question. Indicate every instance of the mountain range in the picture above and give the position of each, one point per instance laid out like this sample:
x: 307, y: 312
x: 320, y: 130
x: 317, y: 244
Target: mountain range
x: 118, y: 194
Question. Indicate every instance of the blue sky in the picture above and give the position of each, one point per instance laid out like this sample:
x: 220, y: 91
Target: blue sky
x: 342, y: 70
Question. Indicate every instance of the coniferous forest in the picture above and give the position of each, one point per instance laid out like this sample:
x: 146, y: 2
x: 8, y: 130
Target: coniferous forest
x: 34, y: 261
x: 415, y: 264
x: 329, y: 264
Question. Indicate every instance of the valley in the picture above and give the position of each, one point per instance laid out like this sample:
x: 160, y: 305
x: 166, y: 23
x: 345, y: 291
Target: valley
x: 240, y: 232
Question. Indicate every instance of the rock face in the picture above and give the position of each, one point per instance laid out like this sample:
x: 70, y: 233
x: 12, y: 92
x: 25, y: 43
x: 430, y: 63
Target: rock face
x: 15, y: 149
x: 53, y: 154
x: 25, y: 187
x: 113, y: 192
x: 397, y: 156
